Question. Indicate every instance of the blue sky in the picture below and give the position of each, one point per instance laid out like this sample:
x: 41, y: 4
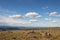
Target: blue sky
x: 44, y: 13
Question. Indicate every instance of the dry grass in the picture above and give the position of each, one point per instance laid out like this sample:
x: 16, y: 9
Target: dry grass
x: 54, y: 34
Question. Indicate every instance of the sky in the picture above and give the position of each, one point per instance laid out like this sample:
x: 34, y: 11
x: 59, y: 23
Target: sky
x: 30, y: 13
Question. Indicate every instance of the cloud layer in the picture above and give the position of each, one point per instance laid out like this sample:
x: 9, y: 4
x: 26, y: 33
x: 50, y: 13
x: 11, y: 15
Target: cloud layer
x: 34, y: 20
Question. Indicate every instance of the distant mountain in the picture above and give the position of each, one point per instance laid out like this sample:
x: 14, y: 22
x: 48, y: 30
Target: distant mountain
x: 3, y: 28
x: 16, y: 28
x: 10, y: 28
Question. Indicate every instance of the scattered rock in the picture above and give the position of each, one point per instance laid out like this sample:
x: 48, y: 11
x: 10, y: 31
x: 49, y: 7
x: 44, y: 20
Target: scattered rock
x: 48, y: 35
x: 14, y: 38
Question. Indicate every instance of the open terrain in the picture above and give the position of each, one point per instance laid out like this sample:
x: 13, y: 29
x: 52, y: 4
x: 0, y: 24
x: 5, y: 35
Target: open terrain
x: 38, y: 34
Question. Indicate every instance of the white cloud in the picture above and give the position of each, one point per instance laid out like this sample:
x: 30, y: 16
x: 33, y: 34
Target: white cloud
x: 54, y: 21
x: 33, y: 21
x: 16, y: 16
x: 45, y: 7
x: 48, y: 19
x: 39, y: 16
x: 51, y: 20
x: 54, y: 14
x: 33, y: 15
x: 10, y: 21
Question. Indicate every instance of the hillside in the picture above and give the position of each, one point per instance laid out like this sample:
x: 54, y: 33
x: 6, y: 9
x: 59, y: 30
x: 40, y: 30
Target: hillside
x: 38, y: 34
